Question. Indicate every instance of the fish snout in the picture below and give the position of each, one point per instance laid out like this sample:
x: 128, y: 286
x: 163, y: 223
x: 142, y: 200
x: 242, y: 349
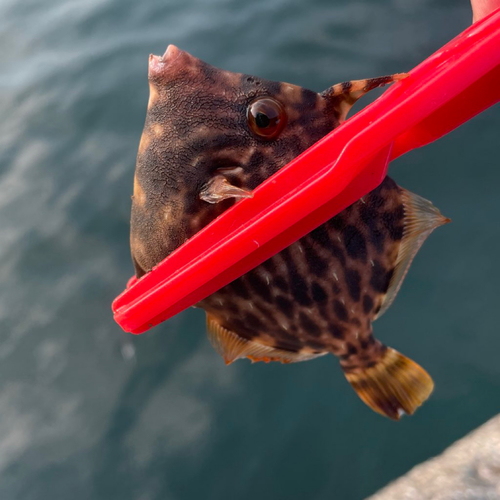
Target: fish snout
x: 167, y: 63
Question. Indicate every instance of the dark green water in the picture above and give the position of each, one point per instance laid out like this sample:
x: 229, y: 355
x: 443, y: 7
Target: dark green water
x: 88, y: 412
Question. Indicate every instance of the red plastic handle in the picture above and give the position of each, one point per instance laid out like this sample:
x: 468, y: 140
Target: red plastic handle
x: 445, y: 90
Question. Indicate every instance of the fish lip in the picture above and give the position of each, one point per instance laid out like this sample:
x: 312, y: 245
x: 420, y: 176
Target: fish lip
x: 158, y: 64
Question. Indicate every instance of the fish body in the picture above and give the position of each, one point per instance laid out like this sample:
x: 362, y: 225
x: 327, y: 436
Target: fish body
x: 212, y: 136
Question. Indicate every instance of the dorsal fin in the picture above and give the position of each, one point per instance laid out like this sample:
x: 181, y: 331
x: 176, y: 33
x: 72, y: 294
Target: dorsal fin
x: 344, y: 95
x: 421, y: 218
x: 232, y: 347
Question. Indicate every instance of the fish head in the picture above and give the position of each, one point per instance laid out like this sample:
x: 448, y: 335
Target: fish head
x: 210, y: 137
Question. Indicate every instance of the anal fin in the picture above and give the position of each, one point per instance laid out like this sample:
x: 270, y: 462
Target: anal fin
x: 421, y: 218
x: 232, y: 347
x: 395, y: 385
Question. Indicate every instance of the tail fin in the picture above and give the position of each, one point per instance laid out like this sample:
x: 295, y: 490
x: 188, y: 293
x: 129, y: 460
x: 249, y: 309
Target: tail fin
x: 395, y: 385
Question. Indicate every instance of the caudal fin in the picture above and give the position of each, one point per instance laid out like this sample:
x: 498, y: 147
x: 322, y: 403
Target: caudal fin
x: 395, y: 385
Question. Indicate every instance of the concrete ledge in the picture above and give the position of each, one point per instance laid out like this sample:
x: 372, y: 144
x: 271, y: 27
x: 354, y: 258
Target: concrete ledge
x: 468, y: 470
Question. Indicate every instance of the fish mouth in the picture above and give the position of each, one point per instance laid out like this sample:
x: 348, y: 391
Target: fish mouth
x: 158, y: 64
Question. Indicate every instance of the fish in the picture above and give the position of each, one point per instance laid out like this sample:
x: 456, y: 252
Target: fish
x: 210, y: 138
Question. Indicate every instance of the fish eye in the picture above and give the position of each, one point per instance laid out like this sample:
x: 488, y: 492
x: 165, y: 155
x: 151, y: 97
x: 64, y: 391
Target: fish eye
x: 266, y: 117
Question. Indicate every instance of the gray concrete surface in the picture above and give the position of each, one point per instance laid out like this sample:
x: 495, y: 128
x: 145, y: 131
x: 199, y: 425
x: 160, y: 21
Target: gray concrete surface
x: 468, y: 470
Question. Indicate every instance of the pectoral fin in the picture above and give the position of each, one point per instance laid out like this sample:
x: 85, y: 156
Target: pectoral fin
x: 219, y: 188
x: 345, y: 94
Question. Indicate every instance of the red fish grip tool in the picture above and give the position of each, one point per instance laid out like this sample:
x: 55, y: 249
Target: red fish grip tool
x: 454, y: 84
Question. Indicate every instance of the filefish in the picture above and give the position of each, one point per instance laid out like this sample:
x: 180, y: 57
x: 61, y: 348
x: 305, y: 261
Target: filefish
x: 210, y: 138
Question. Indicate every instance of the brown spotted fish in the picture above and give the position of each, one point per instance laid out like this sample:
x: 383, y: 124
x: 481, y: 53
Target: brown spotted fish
x: 210, y: 138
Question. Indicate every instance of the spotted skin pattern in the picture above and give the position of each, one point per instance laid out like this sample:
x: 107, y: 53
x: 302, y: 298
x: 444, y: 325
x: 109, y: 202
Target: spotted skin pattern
x: 323, y: 292
x: 320, y: 294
